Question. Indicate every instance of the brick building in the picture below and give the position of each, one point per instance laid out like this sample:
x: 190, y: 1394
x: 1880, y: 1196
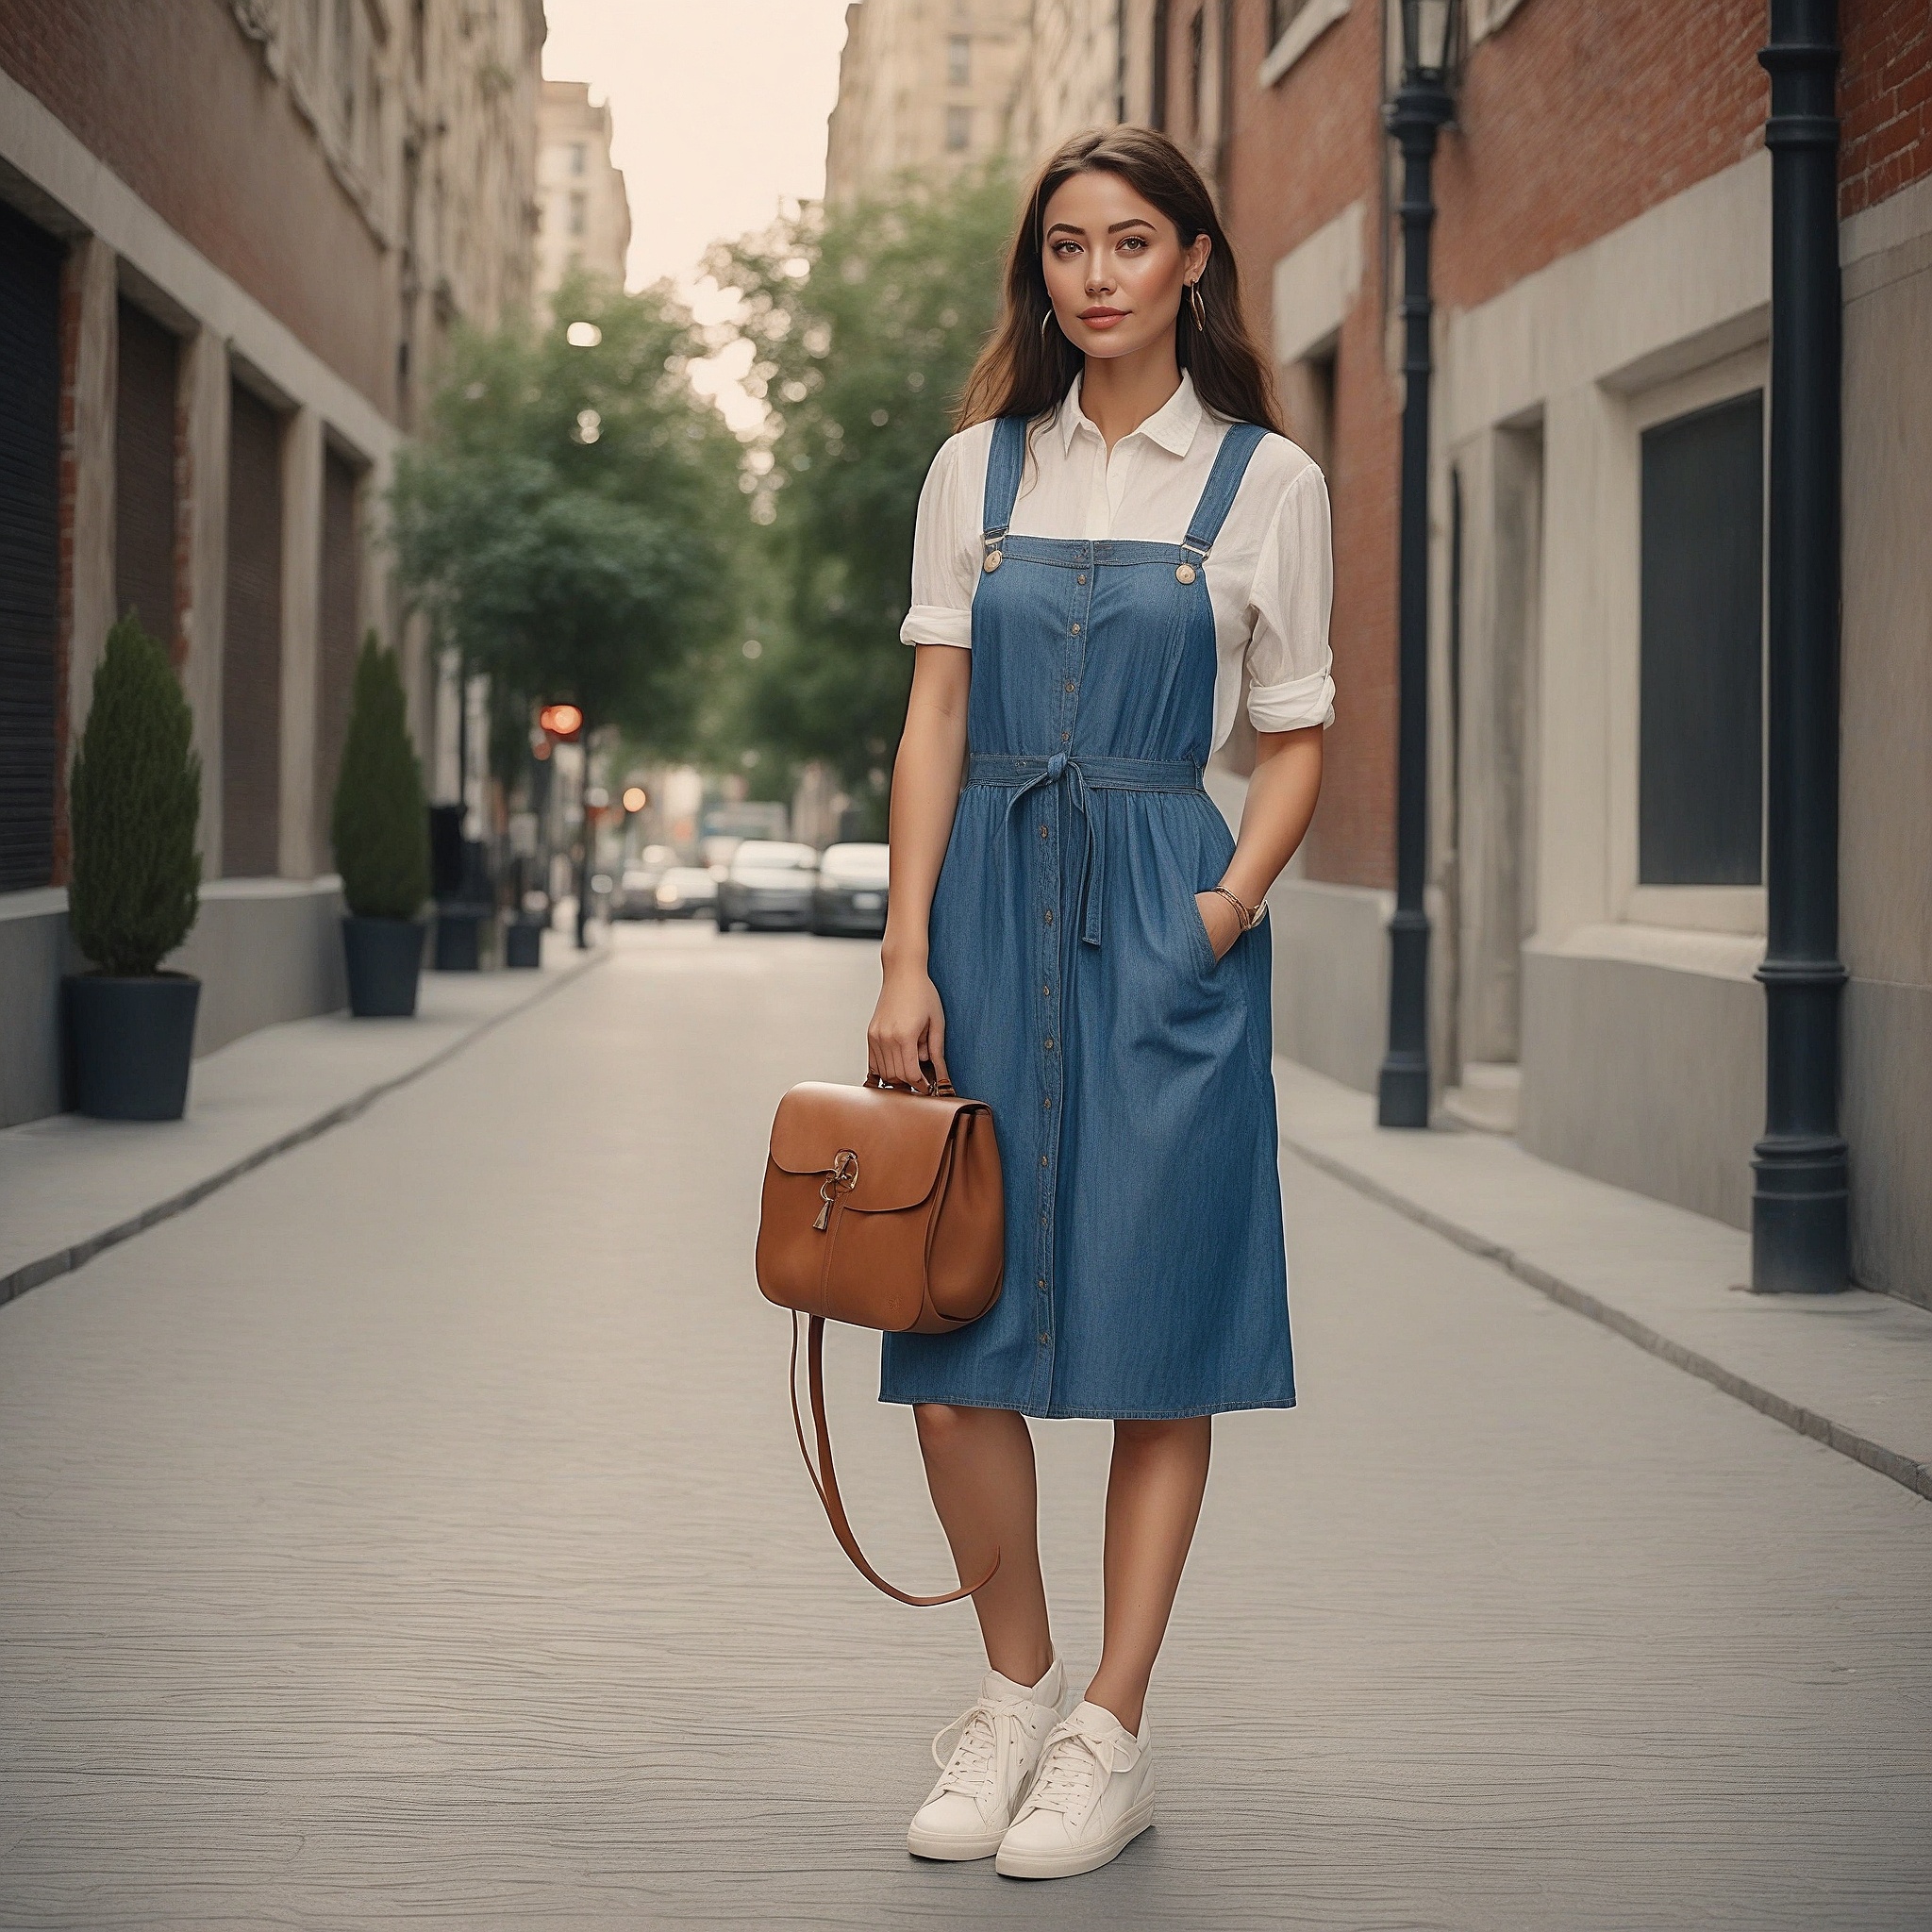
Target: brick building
x: 1602, y: 275
x: 234, y: 236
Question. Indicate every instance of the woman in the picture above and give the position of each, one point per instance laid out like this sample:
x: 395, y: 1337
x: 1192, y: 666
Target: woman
x: 1116, y: 531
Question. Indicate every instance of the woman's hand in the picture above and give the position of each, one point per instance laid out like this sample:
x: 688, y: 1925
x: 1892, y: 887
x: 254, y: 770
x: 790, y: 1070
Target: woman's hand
x: 1223, y: 922
x: 908, y: 1025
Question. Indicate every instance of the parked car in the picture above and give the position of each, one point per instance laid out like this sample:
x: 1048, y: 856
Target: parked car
x: 766, y: 883
x: 684, y: 891
x: 850, y: 895
x: 637, y: 891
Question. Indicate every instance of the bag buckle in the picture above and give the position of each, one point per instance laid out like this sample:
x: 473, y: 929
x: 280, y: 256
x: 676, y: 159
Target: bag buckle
x: 844, y: 1174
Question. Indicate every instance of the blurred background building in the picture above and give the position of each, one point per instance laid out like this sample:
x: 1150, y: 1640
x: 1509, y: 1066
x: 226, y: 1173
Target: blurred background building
x: 234, y: 238
x: 583, y: 211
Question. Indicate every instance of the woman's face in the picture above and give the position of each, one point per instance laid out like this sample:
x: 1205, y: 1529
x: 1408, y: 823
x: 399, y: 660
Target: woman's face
x: 1115, y: 265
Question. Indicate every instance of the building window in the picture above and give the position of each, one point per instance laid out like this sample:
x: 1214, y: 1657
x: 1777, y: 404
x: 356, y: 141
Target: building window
x: 1700, y: 726
x: 958, y: 130
x: 29, y: 569
x: 959, y: 60
x: 577, y: 214
x: 577, y: 157
x: 1163, y: 26
x: 1281, y: 15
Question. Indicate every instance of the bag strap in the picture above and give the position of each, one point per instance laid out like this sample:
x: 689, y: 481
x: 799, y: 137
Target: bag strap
x: 825, y: 1481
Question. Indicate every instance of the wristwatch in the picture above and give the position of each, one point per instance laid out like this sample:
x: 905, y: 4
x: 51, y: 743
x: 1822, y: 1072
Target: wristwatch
x: 1251, y: 915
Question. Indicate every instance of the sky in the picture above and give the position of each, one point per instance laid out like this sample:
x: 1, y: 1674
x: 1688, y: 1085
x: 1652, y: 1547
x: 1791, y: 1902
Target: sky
x: 718, y: 112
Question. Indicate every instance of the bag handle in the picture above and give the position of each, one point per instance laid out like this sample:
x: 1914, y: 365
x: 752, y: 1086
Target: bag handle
x: 825, y: 1481
x: 932, y: 1084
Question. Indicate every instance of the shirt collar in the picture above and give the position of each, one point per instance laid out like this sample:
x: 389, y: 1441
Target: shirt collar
x: 1172, y: 425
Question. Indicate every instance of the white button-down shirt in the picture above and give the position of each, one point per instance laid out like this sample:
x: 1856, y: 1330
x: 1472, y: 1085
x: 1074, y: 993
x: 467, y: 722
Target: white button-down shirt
x: 1270, y: 578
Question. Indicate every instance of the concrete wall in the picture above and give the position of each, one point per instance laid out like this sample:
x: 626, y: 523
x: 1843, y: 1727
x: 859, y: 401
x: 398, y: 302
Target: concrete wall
x: 1643, y: 1063
x: 1331, y: 976
x: 265, y: 949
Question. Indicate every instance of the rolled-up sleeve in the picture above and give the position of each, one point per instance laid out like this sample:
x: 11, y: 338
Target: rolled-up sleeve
x: 945, y: 560
x: 1289, y: 663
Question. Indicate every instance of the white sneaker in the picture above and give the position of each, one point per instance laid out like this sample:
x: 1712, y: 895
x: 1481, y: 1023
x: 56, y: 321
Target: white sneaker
x: 1092, y: 1796
x: 986, y: 1755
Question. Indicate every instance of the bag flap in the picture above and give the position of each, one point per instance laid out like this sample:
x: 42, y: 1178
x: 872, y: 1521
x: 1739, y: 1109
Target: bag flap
x: 899, y: 1138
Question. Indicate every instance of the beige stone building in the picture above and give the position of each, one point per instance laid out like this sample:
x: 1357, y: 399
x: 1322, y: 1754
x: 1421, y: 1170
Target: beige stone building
x: 924, y: 86
x: 230, y: 258
x: 583, y: 211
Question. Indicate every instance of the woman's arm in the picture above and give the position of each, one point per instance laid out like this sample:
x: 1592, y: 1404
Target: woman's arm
x: 1281, y: 801
x: 908, y: 1023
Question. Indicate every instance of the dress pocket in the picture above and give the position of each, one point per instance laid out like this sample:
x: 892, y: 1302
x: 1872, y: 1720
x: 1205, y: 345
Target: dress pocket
x: 1204, y: 945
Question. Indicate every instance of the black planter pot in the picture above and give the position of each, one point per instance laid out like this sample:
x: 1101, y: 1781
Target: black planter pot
x: 129, y: 1043
x: 522, y: 944
x: 384, y: 961
x: 460, y: 937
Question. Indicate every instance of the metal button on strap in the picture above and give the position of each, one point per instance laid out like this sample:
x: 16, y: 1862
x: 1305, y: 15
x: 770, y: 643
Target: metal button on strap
x: 1185, y: 571
x: 993, y: 561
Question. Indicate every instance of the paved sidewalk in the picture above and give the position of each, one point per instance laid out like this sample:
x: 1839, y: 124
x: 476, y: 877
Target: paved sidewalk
x: 1853, y: 1371
x: 70, y: 1186
x: 412, y: 1532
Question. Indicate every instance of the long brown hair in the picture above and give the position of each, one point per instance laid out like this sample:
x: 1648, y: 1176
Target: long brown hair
x: 1028, y: 365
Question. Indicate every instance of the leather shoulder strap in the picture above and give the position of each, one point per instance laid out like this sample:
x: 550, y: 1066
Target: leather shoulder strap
x: 825, y: 1481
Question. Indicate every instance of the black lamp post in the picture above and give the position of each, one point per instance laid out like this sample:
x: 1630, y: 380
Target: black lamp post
x: 1799, y: 1207
x: 1419, y: 107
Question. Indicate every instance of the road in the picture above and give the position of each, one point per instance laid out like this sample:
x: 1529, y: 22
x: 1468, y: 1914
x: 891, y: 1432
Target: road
x: 412, y: 1530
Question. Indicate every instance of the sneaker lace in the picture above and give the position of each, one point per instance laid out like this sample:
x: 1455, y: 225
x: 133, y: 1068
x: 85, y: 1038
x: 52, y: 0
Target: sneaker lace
x: 969, y: 1764
x: 1074, y: 1770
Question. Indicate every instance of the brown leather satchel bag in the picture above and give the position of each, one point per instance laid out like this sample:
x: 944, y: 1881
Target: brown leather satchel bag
x: 882, y: 1207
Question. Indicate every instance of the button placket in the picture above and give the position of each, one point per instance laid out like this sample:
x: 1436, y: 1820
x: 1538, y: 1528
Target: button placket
x: 1048, y: 843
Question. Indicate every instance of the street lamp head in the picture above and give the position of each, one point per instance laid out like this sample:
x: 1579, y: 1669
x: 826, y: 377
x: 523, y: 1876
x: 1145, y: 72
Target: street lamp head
x: 561, y: 720
x: 634, y: 798
x: 1428, y: 42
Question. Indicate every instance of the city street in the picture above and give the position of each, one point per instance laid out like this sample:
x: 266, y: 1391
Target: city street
x: 413, y: 1529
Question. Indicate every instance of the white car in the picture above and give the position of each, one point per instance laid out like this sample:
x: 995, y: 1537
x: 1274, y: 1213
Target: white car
x: 769, y: 882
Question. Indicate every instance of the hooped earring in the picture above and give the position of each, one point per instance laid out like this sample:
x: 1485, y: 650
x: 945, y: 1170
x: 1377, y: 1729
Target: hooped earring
x: 1200, y: 309
x: 1045, y: 321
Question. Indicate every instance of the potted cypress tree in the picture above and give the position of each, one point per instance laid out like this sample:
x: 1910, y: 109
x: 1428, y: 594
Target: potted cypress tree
x: 380, y: 830
x: 134, y: 801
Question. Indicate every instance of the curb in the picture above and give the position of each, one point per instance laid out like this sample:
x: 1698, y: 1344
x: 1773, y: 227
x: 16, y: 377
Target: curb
x: 65, y: 1261
x: 1903, y: 1470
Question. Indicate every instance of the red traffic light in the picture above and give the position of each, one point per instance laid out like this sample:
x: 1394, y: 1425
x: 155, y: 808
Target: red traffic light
x: 561, y: 720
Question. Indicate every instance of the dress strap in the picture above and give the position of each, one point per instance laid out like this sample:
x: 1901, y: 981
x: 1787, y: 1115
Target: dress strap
x: 1003, y: 470
x: 1231, y: 465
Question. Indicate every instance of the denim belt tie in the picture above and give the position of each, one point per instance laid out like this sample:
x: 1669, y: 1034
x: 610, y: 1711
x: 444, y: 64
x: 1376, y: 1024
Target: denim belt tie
x: 1084, y: 777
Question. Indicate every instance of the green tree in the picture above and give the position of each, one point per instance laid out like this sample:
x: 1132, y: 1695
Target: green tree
x: 379, y: 825
x: 567, y: 520
x: 864, y: 323
x: 134, y: 803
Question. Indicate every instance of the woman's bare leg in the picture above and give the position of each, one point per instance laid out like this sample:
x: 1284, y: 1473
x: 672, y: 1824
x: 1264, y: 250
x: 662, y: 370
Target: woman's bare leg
x: 979, y: 1468
x: 1154, y: 1494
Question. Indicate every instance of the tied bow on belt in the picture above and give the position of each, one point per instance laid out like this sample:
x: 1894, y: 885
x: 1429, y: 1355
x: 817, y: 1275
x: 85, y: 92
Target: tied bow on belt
x: 1084, y: 777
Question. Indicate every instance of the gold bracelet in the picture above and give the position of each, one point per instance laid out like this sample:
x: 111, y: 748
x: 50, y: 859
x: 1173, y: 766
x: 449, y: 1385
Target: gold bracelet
x: 1249, y: 918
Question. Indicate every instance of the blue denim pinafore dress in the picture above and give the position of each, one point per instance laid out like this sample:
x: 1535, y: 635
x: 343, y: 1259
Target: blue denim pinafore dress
x: 1128, y: 1070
